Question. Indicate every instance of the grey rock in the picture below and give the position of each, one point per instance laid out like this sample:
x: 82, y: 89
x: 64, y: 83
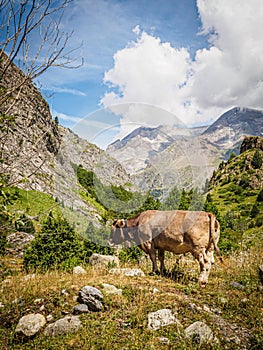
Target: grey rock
x: 127, y: 272
x: 104, y: 260
x: 17, y: 242
x: 49, y: 318
x: 237, y: 285
x: 80, y: 309
x: 110, y: 289
x: 92, y: 297
x: 160, y: 318
x: 78, y: 270
x: 30, y: 324
x: 68, y: 324
x: 199, y: 332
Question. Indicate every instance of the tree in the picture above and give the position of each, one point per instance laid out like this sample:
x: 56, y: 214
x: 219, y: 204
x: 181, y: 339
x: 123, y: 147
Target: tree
x: 257, y: 160
x: 56, y: 246
x: 24, y: 22
x: 173, y: 200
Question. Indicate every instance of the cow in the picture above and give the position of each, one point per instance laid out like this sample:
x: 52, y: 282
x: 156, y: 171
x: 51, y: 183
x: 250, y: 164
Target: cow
x: 176, y: 231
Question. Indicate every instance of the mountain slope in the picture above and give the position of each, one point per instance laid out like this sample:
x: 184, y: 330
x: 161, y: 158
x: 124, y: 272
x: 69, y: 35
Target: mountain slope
x: 166, y: 156
x: 237, y: 191
x: 38, y: 154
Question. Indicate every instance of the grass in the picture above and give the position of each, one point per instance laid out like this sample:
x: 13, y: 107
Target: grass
x: 122, y: 324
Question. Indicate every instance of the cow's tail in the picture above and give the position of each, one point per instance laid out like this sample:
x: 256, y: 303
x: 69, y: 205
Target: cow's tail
x: 214, y: 226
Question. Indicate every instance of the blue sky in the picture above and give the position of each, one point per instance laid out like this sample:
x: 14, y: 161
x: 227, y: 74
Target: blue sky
x: 192, y: 59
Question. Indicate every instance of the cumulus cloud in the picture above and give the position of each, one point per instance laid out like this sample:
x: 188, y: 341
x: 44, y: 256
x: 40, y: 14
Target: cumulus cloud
x: 227, y: 73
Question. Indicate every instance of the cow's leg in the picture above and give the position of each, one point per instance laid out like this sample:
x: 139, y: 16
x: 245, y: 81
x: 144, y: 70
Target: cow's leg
x: 161, y: 258
x: 205, y: 263
x: 152, y: 253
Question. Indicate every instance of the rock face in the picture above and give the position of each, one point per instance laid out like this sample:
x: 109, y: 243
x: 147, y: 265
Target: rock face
x: 29, y: 325
x: 39, y: 154
x: 92, y: 297
x: 68, y: 324
x: 104, y: 260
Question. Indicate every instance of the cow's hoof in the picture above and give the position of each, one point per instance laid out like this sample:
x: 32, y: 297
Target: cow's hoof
x: 155, y: 273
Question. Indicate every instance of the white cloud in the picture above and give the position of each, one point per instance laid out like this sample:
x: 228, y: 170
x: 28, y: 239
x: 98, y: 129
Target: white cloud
x: 226, y: 74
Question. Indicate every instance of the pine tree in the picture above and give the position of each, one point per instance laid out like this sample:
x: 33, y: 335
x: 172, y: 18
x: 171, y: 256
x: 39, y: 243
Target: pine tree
x: 257, y: 160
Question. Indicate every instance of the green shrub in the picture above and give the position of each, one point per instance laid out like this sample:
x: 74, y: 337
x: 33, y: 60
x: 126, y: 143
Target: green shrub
x: 57, y: 246
x: 254, y: 211
x: 257, y: 160
x: 91, y: 247
x: 130, y: 254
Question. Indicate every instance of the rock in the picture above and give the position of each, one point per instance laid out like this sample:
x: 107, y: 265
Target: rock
x: 155, y: 290
x: 30, y: 324
x: 160, y: 318
x: 68, y: 324
x: 1, y: 305
x: 29, y: 277
x: 104, y: 260
x: 17, y: 242
x: 199, y: 332
x: 80, y: 309
x: 127, y: 272
x: 78, y: 270
x: 237, y: 285
x: 49, y: 318
x: 164, y: 340
x: 110, y: 289
x: 92, y: 297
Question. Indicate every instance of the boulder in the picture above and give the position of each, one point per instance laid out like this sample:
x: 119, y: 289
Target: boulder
x: 92, y: 297
x: 104, y: 260
x: 199, y: 333
x: 160, y: 318
x: 30, y: 324
x: 68, y: 324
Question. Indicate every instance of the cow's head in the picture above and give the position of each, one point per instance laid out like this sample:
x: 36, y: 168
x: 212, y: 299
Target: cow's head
x: 117, y: 234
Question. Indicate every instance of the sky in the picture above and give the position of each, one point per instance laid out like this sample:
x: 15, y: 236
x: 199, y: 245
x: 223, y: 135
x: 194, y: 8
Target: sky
x: 152, y: 62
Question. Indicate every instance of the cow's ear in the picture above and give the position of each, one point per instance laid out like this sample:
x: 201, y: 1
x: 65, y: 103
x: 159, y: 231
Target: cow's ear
x: 121, y: 223
x: 115, y: 222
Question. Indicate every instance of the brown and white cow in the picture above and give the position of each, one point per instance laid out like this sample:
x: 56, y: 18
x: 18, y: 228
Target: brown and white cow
x: 175, y: 231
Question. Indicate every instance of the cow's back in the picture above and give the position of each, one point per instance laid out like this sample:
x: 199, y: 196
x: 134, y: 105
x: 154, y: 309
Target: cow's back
x: 177, y: 231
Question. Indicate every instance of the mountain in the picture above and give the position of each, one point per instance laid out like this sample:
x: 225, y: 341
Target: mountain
x: 136, y: 150
x: 160, y: 158
x: 38, y: 154
x: 237, y: 192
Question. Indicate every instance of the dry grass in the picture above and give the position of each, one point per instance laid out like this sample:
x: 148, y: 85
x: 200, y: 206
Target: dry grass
x: 123, y: 322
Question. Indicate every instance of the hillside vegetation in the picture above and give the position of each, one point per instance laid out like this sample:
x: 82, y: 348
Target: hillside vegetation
x: 236, y: 192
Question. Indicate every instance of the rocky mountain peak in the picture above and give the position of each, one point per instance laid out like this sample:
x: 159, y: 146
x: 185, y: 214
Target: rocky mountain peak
x: 251, y: 142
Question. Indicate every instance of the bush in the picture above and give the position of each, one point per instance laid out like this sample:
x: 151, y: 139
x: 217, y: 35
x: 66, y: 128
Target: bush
x: 256, y: 160
x: 56, y: 246
x: 254, y: 211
